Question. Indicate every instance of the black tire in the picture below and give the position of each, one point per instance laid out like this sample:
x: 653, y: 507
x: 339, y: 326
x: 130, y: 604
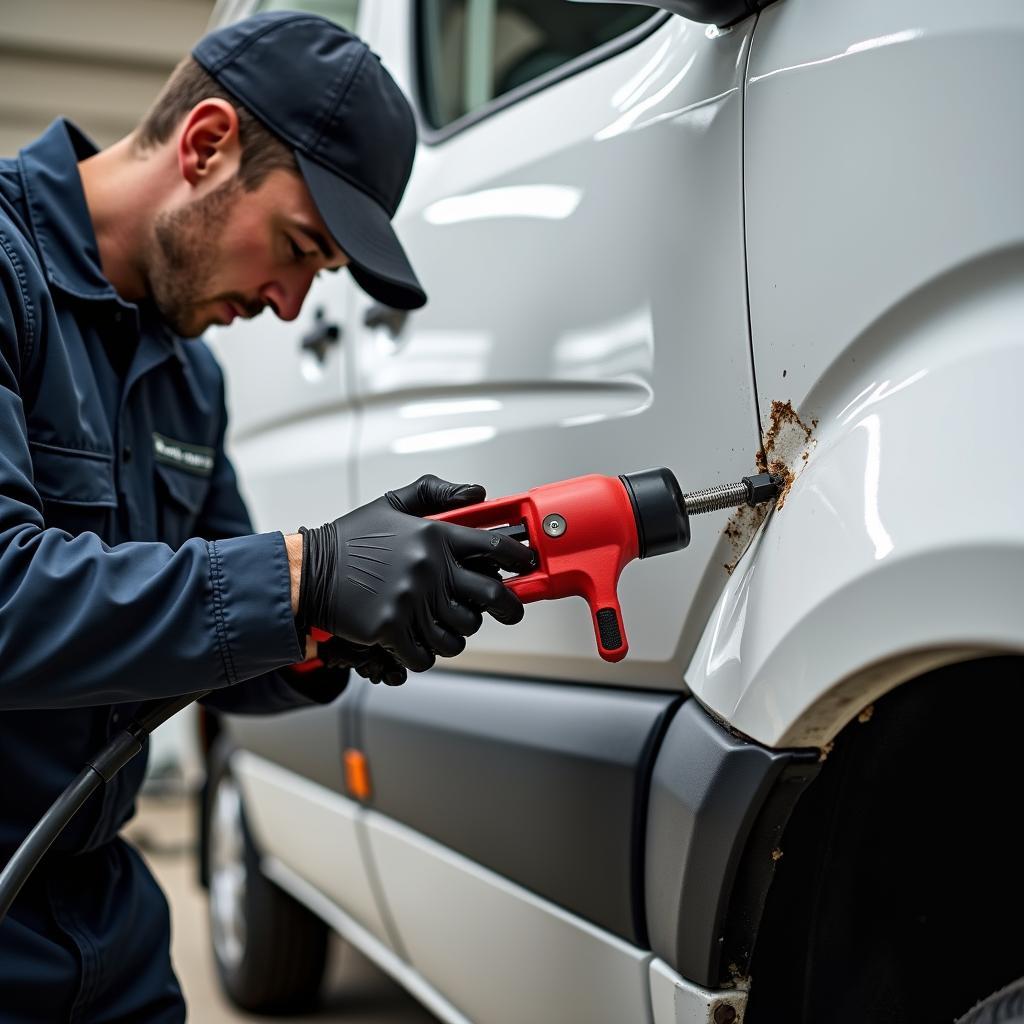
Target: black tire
x: 270, y: 951
x: 1003, y: 1007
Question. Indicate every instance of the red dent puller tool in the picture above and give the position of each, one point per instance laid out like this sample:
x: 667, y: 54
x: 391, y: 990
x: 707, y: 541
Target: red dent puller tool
x: 586, y: 530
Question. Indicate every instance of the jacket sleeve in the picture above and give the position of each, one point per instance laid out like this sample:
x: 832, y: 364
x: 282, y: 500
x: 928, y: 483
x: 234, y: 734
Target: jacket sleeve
x: 83, y: 623
x: 224, y: 515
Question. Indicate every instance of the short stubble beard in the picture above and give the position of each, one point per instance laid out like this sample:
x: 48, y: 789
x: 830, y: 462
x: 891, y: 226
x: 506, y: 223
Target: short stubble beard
x: 183, y: 254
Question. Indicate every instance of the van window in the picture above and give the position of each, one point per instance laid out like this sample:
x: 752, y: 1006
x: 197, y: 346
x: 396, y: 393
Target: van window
x: 343, y: 12
x: 472, y: 51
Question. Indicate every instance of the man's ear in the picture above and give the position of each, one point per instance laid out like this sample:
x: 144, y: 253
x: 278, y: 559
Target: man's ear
x: 209, y: 150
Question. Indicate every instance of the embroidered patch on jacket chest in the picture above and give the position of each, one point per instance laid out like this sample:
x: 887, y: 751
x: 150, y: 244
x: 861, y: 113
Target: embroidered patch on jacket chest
x: 196, y: 458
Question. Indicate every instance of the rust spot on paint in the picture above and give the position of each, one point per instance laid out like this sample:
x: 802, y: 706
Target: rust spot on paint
x: 782, y: 415
x: 776, y: 854
x: 865, y: 715
x: 787, y: 439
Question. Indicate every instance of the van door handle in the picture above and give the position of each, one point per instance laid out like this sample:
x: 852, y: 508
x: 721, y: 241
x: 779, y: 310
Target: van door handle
x: 379, y: 315
x: 321, y: 336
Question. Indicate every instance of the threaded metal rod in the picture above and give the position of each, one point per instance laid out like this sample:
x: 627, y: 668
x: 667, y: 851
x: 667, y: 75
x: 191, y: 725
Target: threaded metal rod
x: 711, y: 499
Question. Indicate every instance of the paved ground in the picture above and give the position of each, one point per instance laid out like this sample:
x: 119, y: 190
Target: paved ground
x: 356, y: 991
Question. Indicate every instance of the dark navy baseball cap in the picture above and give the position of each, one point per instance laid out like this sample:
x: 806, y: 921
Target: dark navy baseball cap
x: 323, y: 92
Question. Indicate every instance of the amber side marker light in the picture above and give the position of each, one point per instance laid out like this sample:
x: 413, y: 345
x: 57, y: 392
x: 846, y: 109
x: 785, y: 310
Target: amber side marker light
x: 357, y: 774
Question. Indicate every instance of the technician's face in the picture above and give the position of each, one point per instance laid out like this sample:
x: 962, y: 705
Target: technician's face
x: 231, y: 252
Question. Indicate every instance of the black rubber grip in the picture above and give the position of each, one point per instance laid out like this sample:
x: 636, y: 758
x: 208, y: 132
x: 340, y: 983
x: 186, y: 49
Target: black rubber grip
x: 608, y: 627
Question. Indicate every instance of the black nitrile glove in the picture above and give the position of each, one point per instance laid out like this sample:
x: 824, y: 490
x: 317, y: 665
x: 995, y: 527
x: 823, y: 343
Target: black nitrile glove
x: 373, y: 663
x: 382, y: 575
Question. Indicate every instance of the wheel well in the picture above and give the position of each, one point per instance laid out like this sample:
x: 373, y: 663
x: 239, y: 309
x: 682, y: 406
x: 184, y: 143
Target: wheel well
x: 899, y: 897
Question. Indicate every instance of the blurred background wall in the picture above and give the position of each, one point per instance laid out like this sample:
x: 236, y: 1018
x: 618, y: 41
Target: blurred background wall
x: 99, y: 62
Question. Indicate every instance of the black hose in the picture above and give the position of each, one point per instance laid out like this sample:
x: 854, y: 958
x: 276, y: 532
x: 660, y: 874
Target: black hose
x: 38, y: 841
x: 107, y: 763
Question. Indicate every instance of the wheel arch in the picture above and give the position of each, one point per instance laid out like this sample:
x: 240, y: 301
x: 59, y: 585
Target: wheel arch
x: 897, y: 864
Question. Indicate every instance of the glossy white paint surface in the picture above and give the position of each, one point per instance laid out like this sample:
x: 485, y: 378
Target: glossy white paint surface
x: 884, y: 148
x: 494, y: 950
x: 582, y: 250
x: 885, y: 222
x: 313, y: 832
x: 674, y: 1000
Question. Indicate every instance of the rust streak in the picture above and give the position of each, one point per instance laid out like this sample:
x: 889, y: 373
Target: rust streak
x: 787, y: 433
x: 786, y: 439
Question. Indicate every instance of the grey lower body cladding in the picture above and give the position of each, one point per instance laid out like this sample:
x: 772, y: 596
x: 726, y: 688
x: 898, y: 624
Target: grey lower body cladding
x: 717, y: 808
x: 632, y: 809
x: 635, y: 810
x: 536, y: 781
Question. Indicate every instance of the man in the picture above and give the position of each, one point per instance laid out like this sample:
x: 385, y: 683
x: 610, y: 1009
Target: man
x: 128, y: 570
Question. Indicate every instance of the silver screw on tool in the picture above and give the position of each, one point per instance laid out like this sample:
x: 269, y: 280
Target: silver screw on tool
x: 751, y: 490
x: 554, y: 525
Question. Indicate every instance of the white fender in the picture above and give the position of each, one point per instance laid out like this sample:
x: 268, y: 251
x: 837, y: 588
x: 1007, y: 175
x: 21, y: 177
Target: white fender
x: 900, y: 546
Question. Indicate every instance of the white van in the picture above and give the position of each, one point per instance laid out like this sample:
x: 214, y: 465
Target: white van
x: 704, y: 235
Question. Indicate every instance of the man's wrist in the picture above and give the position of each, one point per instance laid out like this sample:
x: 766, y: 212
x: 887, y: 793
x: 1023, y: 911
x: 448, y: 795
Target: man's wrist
x: 293, y: 545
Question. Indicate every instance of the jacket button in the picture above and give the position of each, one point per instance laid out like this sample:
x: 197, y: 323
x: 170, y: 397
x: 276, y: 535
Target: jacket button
x: 126, y: 453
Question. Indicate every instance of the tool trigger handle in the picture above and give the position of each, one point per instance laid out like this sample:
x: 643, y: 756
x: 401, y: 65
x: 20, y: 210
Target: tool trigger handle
x: 609, y: 629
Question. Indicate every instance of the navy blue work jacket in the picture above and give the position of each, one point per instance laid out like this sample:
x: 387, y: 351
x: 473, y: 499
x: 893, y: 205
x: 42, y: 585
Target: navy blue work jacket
x: 127, y: 566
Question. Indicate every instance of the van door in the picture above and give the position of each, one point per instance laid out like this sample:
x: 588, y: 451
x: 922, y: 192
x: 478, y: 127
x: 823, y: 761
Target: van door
x: 575, y: 215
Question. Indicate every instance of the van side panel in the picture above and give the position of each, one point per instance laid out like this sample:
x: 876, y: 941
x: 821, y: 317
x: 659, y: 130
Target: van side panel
x: 885, y: 232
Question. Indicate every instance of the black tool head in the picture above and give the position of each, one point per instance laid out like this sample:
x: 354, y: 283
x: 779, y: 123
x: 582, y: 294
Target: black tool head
x: 662, y: 524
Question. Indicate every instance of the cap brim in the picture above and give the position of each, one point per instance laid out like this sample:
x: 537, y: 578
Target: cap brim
x: 362, y: 228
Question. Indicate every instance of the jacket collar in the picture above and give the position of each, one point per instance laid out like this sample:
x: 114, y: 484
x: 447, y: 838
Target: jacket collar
x: 60, y: 217
x: 63, y: 229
